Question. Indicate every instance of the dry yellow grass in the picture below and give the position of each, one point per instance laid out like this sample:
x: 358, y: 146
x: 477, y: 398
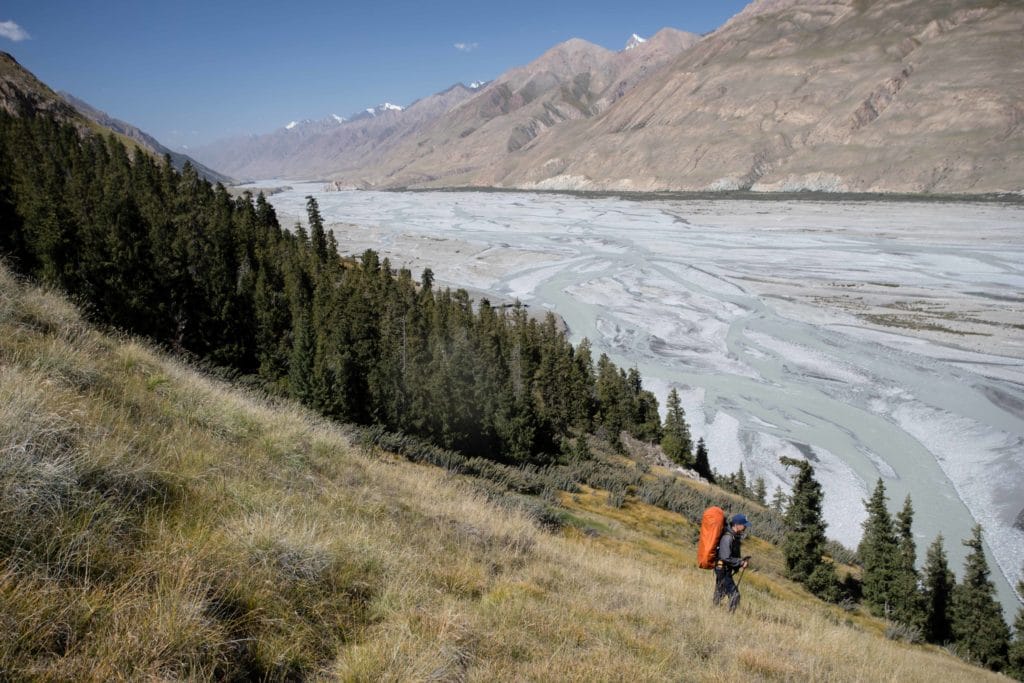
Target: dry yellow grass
x: 160, y: 525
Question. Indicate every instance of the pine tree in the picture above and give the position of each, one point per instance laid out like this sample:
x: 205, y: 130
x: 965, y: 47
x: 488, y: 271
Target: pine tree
x: 908, y: 606
x: 760, y: 491
x: 938, y: 593
x: 1015, y: 655
x: 300, y: 365
x: 612, y: 399
x: 317, y: 234
x: 978, y: 626
x: 701, y: 465
x: 804, y: 543
x: 779, y: 500
x: 165, y: 254
x: 676, y: 442
x: 878, y: 554
x: 740, y: 482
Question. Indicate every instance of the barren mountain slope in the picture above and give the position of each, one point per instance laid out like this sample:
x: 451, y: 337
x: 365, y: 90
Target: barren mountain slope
x: 178, y: 160
x: 914, y: 96
x: 22, y: 94
x: 315, y: 149
x: 476, y: 143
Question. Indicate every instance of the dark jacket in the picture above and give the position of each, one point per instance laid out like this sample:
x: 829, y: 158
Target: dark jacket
x: 729, y: 551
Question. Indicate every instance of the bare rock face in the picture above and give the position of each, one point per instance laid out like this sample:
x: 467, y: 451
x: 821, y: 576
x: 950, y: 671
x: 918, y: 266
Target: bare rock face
x: 462, y: 135
x: 912, y: 96
x: 479, y: 142
x: 22, y: 94
x: 918, y: 96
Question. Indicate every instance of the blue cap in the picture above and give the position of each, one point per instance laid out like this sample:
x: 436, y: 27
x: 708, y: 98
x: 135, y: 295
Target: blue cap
x: 740, y: 519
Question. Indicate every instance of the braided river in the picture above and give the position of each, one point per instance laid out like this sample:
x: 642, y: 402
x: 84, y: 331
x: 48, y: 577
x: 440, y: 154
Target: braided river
x: 877, y: 339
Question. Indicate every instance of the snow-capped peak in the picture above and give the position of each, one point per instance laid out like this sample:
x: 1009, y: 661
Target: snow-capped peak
x: 291, y: 125
x: 339, y: 119
x: 476, y: 85
x: 381, y: 108
x: 634, y: 41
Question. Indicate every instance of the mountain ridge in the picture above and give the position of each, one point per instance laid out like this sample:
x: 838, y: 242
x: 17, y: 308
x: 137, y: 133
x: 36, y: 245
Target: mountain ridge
x: 921, y: 98
x: 841, y: 96
x: 178, y: 159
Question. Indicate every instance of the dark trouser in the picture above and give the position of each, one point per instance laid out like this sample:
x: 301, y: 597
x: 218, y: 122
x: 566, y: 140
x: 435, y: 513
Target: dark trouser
x: 726, y: 587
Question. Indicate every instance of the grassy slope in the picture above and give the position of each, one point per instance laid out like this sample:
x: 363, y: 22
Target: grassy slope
x: 156, y: 523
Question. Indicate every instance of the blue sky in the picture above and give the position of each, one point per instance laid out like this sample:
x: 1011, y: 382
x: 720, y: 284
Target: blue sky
x: 192, y: 71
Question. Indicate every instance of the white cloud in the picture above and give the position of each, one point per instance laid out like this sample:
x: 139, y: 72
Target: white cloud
x: 11, y: 31
x: 466, y: 47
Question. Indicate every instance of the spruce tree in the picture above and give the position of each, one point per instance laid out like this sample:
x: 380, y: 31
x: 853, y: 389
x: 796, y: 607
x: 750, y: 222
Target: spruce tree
x: 301, y: 363
x: 804, y: 543
x: 938, y: 594
x: 878, y: 554
x: 613, y: 412
x: 779, y: 500
x: 676, y: 440
x: 760, y: 491
x: 740, y: 482
x: 701, y: 465
x: 317, y: 234
x: 978, y: 626
x: 908, y: 606
x: 1015, y: 655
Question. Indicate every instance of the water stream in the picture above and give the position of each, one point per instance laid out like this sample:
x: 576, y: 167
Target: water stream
x: 880, y: 340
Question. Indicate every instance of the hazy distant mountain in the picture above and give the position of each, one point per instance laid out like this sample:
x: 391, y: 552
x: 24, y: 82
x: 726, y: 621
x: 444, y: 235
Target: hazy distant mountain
x: 461, y: 131
x: 831, y: 95
x: 373, y: 112
x: 319, y: 148
x: 476, y: 142
x: 178, y: 160
x: 840, y: 95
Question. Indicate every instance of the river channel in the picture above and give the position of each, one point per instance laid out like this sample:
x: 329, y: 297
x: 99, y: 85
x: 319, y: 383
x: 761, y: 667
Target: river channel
x: 877, y: 339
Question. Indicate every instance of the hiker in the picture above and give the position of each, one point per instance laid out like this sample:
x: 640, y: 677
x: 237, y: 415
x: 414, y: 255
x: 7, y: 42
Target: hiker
x: 729, y: 562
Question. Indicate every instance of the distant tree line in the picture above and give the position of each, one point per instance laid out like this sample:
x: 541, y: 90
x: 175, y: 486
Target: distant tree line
x: 172, y: 257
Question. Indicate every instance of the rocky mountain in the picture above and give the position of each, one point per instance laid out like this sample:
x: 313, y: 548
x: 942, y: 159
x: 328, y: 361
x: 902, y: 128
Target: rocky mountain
x: 331, y: 145
x: 918, y: 96
x: 178, y: 160
x: 842, y: 95
x: 373, y: 112
x: 22, y: 94
x: 479, y: 141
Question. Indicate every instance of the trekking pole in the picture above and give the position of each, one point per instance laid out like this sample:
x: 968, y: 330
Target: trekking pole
x: 745, y: 559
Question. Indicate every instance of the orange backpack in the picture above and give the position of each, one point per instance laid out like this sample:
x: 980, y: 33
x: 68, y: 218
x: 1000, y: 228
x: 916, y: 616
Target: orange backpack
x: 712, y: 525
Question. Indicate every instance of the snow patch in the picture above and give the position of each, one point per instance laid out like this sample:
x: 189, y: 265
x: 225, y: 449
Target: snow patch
x: 634, y: 41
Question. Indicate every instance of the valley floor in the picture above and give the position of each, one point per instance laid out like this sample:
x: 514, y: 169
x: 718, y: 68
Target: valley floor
x: 879, y: 339
x: 160, y: 524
